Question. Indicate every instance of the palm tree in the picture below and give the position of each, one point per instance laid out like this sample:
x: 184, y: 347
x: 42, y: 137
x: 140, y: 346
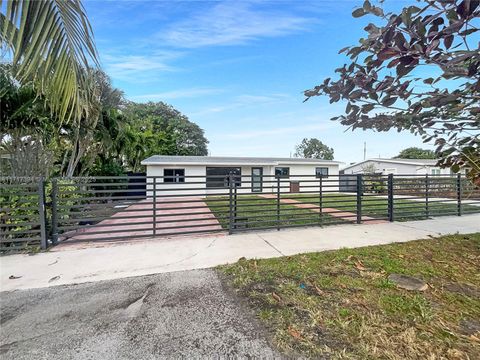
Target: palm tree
x: 50, y: 44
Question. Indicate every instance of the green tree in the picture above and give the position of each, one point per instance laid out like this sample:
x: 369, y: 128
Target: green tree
x: 173, y: 133
x: 94, y: 135
x: 51, y: 44
x: 25, y: 129
x: 110, y: 138
x: 139, y: 147
x: 29, y: 132
x: 416, y: 153
x: 416, y: 70
x: 313, y: 148
x: 19, y: 105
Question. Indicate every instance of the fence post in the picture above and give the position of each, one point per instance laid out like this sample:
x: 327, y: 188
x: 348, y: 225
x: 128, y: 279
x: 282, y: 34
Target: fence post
x: 359, y: 198
x: 41, y: 213
x: 154, y: 206
x: 235, y: 202
x: 390, y: 197
x: 427, y: 191
x: 230, y: 198
x: 459, y: 194
x: 54, y: 195
x: 278, y: 203
x: 320, y: 201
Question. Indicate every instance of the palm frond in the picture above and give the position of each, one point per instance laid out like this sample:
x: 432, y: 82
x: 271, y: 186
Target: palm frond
x: 52, y: 44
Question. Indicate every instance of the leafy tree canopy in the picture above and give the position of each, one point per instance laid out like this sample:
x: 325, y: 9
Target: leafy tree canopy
x: 416, y: 153
x: 176, y: 134
x: 50, y: 44
x: 314, y: 149
x: 113, y: 137
x: 416, y: 70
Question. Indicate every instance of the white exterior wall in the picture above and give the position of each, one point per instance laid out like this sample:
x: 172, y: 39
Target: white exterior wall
x: 176, y: 188
x: 385, y: 168
x: 312, y: 183
x: 389, y: 168
x: 269, y: 184
x: 446, y: 171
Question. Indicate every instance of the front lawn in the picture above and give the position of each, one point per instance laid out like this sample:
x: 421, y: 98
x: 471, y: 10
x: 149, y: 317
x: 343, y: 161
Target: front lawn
x: 257, y: 212
x: 340, y: 304
x: 377, y: 206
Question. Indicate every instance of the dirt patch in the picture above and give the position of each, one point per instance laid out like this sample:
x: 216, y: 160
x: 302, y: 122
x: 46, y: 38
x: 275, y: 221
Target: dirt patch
x: 261, y: 296
x: 464, y: 289
x: 408, y: 282
x: 470, y: 326
x: 246, y: 306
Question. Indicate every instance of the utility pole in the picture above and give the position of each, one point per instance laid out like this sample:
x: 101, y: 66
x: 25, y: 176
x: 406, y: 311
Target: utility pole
x: 364, y: 150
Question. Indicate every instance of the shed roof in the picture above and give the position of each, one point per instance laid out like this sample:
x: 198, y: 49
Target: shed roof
x: 417, y: 162
x: 230, y: 160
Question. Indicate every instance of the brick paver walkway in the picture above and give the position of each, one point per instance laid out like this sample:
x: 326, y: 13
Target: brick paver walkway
x: 346, y: 215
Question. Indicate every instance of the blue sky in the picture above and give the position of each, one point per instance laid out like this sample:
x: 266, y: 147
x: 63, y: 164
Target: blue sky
x: 238, y: 69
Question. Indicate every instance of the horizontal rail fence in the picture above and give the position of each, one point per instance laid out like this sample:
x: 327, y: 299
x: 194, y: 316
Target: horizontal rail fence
x: 469, y: 196
x: 114, y: 208
x: 421, y: 197
x: 297, y: 201
x: 22, y: 214
x: 35, y: 212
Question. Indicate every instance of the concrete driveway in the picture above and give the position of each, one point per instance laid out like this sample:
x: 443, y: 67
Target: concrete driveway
x: 171, y: 218
x: 184, y: 314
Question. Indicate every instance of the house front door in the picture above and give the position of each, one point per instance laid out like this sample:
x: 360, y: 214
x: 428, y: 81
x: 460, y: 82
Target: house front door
x: 257, y: 174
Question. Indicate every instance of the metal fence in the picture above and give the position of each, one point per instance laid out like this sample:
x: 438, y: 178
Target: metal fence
x: 39, y: 213
x: 22, y: 213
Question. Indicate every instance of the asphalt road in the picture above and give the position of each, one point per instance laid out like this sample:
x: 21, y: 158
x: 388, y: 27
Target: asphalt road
x: 184, y: 314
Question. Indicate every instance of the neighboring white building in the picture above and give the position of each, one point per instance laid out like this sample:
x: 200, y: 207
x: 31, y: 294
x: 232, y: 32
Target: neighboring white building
x: 258, y: 173
x: 396, y: 166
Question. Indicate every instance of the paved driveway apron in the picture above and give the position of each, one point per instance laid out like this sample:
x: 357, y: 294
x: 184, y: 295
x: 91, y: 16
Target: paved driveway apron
x: 183, y: 314
x: 170, y: 212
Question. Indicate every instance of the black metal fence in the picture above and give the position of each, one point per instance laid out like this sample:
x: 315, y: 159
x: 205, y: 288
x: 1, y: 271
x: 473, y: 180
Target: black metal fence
x: 22, y: 213
x: 39, y: 213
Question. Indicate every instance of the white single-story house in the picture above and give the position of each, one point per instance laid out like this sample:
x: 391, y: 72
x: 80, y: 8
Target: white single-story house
x: 397, y: 167
x: 209, y: 174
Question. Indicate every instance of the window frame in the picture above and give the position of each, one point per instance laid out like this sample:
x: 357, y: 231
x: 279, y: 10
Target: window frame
x: 222, y: 181
x: 282, y: 176
x: 174, y: 179
x: 259, y: 183
x: 388, y: 171
x: 318, y: 176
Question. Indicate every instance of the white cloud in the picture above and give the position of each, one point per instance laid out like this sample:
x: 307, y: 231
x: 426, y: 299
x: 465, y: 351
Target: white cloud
x: 177, y: 94
x: 230, y: 23
x: 134, y: 67
x: 259, y: 99
x: 242, y: 101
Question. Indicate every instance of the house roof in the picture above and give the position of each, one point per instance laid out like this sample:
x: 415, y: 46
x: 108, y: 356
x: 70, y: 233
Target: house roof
x: 231, y: 160
x: 417, y: 162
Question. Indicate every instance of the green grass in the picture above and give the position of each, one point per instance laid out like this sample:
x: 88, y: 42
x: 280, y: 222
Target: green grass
x: 376, y: 207
x: 264, y: 213
x: 340, y: 304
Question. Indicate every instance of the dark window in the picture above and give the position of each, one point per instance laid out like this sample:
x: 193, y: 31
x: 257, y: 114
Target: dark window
x: 257, y: 177
x: 321, y: 172
x: 283, y: 172
x: 218, y: 177
x: 174, y: 175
